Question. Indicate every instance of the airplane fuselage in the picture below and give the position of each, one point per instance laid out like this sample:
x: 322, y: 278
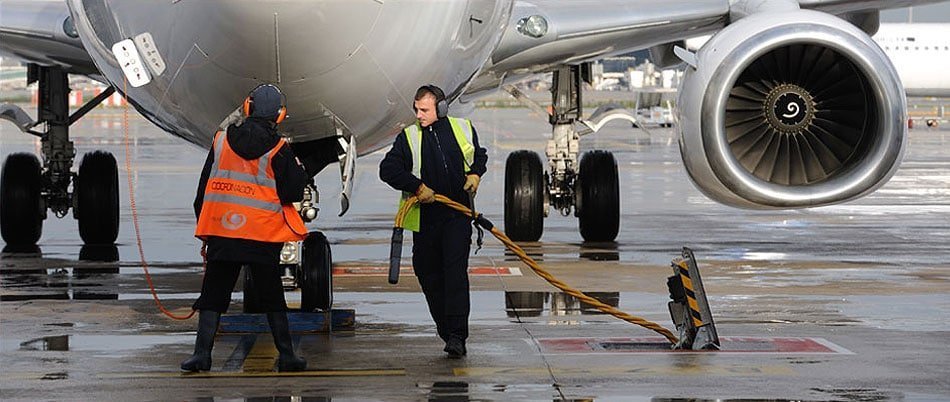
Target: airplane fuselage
x: 346, y: 67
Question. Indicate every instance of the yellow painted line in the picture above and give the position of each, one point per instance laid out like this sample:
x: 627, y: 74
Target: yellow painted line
x: 696, y: 370
x: 237, y: 374
x: 261, y: 357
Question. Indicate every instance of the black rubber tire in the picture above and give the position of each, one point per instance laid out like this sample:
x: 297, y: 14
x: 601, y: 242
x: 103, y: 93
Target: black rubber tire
x: 524, y: 196
x: 315, y: 275
x: 97, y: 198
x: 99, y: 253
x: 597, y: 204
x: 21, y: 208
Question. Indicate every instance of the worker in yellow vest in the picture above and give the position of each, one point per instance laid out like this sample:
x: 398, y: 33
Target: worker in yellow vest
x: 438, y: 154
x: 245, y: 214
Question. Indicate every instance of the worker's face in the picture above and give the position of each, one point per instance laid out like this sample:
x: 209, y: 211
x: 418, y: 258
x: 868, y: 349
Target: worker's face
x: 425, y: 110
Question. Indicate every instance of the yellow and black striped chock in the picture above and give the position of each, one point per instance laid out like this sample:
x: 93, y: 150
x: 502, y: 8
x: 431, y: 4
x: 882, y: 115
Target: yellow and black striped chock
x: 689, y: 307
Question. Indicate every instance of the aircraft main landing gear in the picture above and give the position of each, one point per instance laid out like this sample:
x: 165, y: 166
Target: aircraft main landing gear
x: 28, y: 189
x: 591, y: 188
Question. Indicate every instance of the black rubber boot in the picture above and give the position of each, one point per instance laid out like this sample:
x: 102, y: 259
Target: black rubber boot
x: 280, y: 329
x: 455, y: 347
x: 207, y: 327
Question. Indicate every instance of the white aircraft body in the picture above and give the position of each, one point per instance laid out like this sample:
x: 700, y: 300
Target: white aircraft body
x: 921, y: 55
x: 790, y: 103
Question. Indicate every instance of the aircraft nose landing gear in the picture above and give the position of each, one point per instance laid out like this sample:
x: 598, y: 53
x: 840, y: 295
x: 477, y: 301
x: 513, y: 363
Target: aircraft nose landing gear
x: 27, y: 189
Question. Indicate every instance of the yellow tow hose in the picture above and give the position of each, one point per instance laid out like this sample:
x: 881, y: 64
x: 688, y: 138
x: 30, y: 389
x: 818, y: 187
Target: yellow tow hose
x: 401, y: 215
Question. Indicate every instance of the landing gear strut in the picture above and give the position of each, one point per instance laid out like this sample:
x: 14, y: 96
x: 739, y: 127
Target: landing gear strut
x: 27, y: 189
x: 590, y: 188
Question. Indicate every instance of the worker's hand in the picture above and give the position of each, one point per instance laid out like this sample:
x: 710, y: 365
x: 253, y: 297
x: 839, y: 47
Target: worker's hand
x: 471, y: 183
x: 425, y: 194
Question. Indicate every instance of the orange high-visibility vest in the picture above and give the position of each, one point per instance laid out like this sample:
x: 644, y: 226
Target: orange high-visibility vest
x: 240, y: 199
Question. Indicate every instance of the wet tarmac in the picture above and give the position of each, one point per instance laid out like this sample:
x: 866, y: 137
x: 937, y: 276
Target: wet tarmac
x: 856, y: 296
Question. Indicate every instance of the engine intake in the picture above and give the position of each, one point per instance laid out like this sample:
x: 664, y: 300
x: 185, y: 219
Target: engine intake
x: 791, y: 109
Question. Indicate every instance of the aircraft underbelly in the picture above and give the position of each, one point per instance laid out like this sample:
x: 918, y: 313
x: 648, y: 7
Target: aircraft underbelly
x: 347, y: 68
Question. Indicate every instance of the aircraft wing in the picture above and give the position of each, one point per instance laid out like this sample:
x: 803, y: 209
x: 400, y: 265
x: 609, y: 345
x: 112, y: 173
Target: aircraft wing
x: 579, y: 31
x: 851, y: 6
x: 41, y: 32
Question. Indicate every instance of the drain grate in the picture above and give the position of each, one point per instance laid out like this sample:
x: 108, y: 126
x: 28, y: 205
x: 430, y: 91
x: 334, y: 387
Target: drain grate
x: 633, y: 346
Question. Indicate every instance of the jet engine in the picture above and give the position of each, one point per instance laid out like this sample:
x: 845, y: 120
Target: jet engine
x: 791, y: 109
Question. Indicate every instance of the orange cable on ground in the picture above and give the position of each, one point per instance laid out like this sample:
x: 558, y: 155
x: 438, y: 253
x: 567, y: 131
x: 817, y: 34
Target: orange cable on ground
x: 135, y: 215
x: 400, y: 216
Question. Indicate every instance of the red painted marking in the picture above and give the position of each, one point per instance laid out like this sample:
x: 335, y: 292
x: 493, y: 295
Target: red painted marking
x: 655, y: 344
x: 343, y: 271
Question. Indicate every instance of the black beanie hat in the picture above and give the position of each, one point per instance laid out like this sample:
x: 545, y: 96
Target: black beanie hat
x: 266, y: 102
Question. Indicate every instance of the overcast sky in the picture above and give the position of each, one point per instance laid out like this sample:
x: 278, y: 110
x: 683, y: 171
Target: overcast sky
x: 931, y: 13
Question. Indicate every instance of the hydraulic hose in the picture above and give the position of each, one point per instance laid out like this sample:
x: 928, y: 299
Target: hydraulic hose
x: 485, y: 223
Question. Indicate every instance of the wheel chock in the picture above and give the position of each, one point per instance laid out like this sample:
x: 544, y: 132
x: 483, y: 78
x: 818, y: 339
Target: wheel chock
x: 689, y: 307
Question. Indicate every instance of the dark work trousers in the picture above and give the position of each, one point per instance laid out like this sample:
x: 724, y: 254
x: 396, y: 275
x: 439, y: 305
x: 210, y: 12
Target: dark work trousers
x: 440, y: 262
x: 219, y: 280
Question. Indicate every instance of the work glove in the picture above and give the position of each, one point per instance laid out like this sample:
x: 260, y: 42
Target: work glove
x: 471, y: 183
x: 425, y: 194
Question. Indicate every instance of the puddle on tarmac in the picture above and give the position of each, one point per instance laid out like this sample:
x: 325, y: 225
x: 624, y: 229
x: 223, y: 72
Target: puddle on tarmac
x: 55, y: 376
x: 54, y: 343
x: 601, y: 251
x: 77, y: 283
x: 103, y: 343
x: 87, y: 253
x: 536, y: 304
x: 497, y: 308
x: 444, y: 391
x: 900, y: 312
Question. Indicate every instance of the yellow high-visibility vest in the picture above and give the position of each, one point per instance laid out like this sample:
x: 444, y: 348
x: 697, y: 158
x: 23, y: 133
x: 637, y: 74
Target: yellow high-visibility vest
x: 462, y: 128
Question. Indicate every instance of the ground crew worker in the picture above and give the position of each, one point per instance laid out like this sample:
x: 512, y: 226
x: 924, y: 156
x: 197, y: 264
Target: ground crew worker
x: 244, y: 212
x: 438, y: 154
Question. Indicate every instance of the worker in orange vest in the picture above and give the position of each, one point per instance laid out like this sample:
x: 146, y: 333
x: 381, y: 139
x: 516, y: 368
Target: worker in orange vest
x: 250, y: 179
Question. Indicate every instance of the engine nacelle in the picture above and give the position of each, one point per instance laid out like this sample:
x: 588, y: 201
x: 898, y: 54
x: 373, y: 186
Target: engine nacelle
x: 791, y: 109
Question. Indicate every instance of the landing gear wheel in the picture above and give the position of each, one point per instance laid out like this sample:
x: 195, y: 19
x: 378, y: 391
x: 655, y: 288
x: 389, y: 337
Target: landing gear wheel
x: 524, y: 196
x: 97, y: 198
x: 23, y: 211
x: 598, y: 197
x: 315, y: 274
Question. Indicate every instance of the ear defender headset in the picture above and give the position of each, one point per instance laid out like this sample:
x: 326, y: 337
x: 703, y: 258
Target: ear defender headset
x: 441, y: 105
x: 248, y: 106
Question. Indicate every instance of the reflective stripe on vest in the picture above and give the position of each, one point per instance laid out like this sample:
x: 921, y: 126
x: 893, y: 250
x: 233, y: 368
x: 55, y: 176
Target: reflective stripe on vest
x: 462, y: 129
x: 241, y: 201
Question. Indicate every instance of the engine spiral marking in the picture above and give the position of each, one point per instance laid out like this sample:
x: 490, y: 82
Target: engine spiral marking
x: 793, y: 108
x: 789, y: 108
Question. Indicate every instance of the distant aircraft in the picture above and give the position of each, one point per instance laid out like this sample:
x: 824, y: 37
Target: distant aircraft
x: 790, y: 104
x: 921, y: 54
